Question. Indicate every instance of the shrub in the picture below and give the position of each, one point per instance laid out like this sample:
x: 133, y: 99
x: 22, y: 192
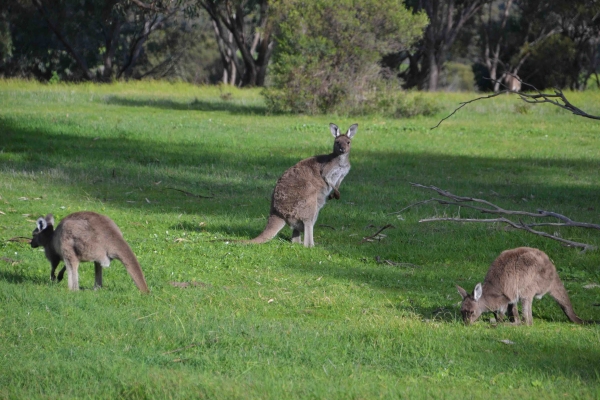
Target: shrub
x: 328, y: 51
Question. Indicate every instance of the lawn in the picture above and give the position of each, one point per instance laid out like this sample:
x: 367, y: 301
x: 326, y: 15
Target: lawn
x: 185, y: 170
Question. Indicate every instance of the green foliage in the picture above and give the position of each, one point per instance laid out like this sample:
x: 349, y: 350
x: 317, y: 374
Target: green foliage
x: 54, y: 79
x: 279, y: 321
x: 184, y: 49
x: 551, y: 62
x: 328, y: 52
x: 457, y: 77
x: 394, y: 103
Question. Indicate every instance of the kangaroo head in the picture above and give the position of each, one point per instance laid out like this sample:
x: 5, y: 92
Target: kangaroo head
x: 472, y: 306
x: 341, y: 145
x: 42, y: 234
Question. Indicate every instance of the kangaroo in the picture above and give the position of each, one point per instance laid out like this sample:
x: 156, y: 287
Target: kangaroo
x: 516, y: 275
x: 303, y: 189
x: 85, y: 236
x: 512, y: 82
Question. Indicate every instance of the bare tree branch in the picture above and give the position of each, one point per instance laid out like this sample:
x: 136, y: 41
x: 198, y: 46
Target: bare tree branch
x: 558, y: 99
x: 491, y: 208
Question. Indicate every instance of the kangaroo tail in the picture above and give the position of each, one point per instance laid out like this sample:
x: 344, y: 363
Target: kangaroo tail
x: 274, y: 225
x: 132, y: 265
x: 562, y: 298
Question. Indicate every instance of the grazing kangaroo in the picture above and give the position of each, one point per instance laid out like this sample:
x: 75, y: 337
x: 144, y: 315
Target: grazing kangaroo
x: 85, y: 236
x: 516, y: 275
x: 303, y: 190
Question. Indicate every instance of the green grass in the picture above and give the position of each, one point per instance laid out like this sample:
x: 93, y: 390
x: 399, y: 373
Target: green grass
x: 278, y: 320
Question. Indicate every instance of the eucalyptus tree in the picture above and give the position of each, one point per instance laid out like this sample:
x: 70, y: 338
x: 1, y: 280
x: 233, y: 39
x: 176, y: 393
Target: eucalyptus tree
x: 103, y: 38
x: 243, y: 29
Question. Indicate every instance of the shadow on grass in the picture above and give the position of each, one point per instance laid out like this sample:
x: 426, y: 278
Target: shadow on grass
x: 230, y: 106
x: 125, y: 172
x: 12, y: 277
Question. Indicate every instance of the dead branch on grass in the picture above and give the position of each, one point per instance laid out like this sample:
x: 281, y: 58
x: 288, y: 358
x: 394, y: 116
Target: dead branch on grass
x: 374, y: 236
x: 491, y: 208
x: 395, y: 264
x: 21, y: 239
x: 190, y: 193
x: 181, y: 348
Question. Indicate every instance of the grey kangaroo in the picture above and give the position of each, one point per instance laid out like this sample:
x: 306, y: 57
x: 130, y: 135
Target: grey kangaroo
x: 85, y: 236
x: 516, y: 275
x: 303, y: 190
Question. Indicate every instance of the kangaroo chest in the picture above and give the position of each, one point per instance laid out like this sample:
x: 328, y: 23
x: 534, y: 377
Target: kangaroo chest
x: 333, y: 174
x: 338, y: 173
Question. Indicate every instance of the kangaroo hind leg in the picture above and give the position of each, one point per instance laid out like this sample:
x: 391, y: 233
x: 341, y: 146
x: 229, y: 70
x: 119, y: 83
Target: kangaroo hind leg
x: 72, y: 265
x: 98, y: 275
x: 296, y: 236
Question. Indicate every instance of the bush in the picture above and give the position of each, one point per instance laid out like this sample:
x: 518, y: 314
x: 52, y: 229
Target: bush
x: 328, y: 52
x: 457, y: 77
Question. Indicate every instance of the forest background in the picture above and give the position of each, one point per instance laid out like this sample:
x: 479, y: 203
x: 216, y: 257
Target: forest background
x: 311, y: 57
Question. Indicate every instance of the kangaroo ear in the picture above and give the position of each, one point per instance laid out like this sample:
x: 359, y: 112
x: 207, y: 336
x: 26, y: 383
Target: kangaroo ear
x: 50, y: 219
x: 335, y: 131
x: 462, y: 292
x: 352, y: 131
x: 41, y: 224
x: 477, y: 292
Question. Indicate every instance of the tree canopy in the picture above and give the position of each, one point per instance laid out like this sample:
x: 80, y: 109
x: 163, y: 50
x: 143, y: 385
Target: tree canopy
x: 310, y: 56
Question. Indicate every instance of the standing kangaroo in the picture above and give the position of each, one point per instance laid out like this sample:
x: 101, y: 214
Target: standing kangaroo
x: 303, y: 190
x: 516, y: 275
x: 85, y: 236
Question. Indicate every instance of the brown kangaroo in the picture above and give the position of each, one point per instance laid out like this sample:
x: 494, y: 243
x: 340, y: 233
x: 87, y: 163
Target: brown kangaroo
x: 516, y: 275
x: 303, y: 190
x: 85, y: 236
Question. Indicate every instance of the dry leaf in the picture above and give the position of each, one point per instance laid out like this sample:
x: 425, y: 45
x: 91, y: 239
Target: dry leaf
x: 270, y: 301
x: 506, y: 341
x: 591, y: 286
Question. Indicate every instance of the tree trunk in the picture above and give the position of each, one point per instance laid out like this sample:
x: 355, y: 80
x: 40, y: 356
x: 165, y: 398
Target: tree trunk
x: 434, y: 72
x: 109, y: 54
x: 54, y: 28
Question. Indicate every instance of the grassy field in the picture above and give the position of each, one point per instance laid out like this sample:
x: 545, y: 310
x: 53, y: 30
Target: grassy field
x: 278, y: 320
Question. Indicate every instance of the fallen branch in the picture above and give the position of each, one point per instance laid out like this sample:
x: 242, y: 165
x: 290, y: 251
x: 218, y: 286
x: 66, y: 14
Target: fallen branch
x: 190, y: 194
x: 22, y: 239
x: 396, y: 264
x: 374, y: 236
x: 557, y: 99
x: 327, y: 226
x: 181, y: 348
x: 462, y: 201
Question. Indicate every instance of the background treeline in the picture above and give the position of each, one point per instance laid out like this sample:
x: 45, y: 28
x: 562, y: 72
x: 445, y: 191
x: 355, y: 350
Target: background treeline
x: 310, y: 56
